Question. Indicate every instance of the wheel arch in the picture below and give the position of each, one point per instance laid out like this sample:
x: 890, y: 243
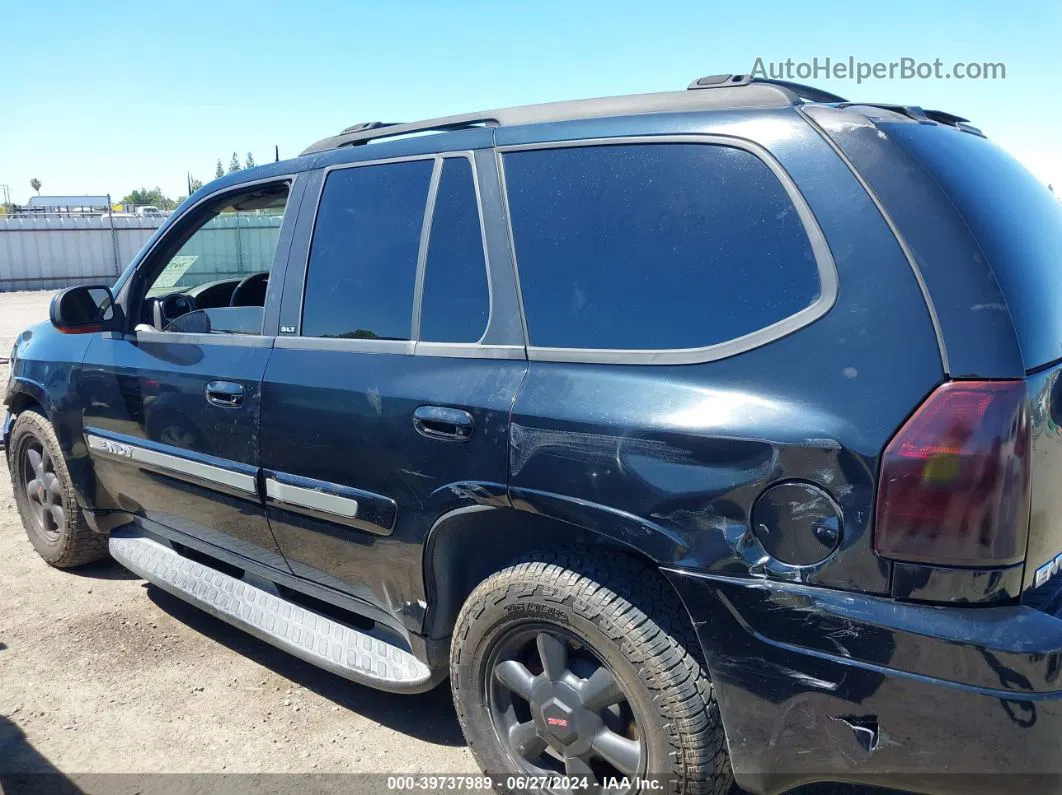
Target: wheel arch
x: 467, y: 545
x: 27, y: 394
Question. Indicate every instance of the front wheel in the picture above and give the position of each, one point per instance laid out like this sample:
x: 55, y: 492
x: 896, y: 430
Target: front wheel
x: 565, y: 668
x: 45, y: 496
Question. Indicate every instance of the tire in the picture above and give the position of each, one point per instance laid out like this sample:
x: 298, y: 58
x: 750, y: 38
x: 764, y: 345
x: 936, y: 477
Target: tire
x: 607, y: 613
x: 52, y: 518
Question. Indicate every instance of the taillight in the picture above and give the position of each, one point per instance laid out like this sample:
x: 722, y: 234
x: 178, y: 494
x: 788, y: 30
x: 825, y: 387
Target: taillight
x: 954, y: 486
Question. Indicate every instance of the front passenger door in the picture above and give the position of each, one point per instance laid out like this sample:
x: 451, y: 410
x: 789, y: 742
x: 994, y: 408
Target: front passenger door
x: 172, y: 406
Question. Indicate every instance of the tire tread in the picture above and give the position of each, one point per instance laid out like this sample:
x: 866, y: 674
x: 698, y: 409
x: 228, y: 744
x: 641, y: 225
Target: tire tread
x: 77, y: 544
x: 645, y: 620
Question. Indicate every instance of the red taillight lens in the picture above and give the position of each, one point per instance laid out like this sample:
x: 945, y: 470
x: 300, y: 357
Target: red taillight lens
x: 954, y: 486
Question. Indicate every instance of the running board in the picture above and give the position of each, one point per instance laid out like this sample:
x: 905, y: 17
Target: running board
x: 320, y: 641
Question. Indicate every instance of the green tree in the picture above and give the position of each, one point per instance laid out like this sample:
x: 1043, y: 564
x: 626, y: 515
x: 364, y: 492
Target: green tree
x: 220, y: 172
x: 154, y: 197
x: 36, y: 185
x: 234, y: 164
x: 194, y: 184
x: 249, y: 163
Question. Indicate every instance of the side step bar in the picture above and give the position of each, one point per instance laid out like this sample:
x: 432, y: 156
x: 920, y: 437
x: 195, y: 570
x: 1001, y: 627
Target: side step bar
x: 320, y: 641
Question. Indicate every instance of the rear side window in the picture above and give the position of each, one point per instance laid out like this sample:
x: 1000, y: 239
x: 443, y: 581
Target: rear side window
x: 654, y: 246
x: 456, y: 300
x: 363, y: 258
x: 1016, y: 221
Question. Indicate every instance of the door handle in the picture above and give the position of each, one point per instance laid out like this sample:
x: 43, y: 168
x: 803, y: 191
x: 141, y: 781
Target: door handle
x: 441, y: 422
x: 225, y: 394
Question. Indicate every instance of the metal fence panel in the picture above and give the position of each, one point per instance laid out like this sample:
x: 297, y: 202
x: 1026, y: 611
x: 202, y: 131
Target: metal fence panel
x: 51, y: 252
x: 39, y: 253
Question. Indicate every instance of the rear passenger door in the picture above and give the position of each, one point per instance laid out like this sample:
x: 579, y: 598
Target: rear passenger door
x: 385, y: 402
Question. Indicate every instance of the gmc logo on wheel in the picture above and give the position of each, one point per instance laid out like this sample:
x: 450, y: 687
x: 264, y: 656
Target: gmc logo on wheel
x: 557, y: 722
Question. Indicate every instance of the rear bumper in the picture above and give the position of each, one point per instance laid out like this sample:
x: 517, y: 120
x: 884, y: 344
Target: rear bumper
x: 819, y: 685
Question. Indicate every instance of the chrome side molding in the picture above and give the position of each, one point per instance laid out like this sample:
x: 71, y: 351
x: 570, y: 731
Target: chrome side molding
x: 314, y: 499
x: 177, y: 465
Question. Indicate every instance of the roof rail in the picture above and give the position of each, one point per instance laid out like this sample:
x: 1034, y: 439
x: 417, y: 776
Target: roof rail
x: 718, y: 81
x: 365, y: 132
x: 799, y: 90
x: 363, y: 126
x: 730, y: 91
x: 808, y: 93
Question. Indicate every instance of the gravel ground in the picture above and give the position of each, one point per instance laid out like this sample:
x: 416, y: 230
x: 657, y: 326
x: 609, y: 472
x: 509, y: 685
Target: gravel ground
x: 110, y: 686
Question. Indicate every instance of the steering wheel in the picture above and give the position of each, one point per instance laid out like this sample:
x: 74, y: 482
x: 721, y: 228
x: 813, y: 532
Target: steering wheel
x: 169, y: 308
x: 251, y: 290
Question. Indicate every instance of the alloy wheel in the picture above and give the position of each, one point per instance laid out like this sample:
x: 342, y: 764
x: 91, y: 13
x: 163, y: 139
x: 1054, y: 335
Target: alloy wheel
x: 559, y: 710
x: 43, y: 490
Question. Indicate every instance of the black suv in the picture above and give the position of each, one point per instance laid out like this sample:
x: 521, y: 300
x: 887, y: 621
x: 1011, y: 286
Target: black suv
x: 692, y: 434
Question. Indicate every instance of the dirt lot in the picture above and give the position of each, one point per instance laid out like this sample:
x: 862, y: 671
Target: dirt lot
x: 100, y: 674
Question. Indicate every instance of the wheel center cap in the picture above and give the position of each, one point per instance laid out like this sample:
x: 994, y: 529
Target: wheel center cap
x: 562, y: 719
x: 559, y: 720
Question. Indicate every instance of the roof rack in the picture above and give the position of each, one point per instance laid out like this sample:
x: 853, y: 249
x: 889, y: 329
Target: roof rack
x: 367, y: 125
x: 728, y: 91
x: 365, y: 132
x: 799, y: 90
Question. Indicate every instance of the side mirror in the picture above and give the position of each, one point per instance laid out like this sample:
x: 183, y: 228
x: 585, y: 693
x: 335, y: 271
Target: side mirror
x: 84, y: 310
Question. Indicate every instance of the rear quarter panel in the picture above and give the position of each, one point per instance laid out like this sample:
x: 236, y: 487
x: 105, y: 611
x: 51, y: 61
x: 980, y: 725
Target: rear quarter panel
x: 670, y: 459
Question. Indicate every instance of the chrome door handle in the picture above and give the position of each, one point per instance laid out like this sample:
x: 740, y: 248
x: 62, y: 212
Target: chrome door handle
x: 442, y: 422
x: 226, y: 394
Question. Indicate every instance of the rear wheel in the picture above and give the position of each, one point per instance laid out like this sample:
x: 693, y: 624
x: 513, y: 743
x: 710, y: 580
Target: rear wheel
x: 563, y: 666
x: 45, y: 496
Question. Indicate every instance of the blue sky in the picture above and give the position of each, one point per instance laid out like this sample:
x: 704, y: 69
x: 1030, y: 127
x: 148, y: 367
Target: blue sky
x: 100, y: 97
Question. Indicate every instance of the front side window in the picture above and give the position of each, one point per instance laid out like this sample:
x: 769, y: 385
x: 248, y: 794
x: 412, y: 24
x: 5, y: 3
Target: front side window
x: 216, y: 281
x: 363, y: 257
x: 654, y: 246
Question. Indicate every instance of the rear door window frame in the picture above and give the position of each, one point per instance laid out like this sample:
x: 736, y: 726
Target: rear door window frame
x: 498, y: 340
x: 827, y: 269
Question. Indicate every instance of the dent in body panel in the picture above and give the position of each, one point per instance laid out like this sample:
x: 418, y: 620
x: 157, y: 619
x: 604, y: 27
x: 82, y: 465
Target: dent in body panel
x: 689, y: 448
x: 819, y: 684
x: 689, y: 471
x: 1009, y: 649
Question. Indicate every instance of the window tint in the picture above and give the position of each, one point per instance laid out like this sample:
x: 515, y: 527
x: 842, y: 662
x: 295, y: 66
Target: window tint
x: 363, y: 259
x: 456, y: 301
x: 654, y: 246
